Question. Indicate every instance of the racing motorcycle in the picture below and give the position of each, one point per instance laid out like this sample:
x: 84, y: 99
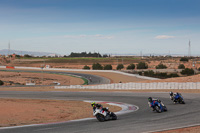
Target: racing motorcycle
x: 177, y: 98
x: 159, y: 106
x: 103, y: 115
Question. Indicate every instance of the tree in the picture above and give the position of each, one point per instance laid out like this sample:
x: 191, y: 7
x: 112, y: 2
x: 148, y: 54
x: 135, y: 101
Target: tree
x: 161, y: 66
x: 181, y: 66
x: 120, y: 66
x: 1, y: 82
x: 184, y: 59
x: 142, y: 65
x: 108, y: 67
x: 187, y: 71
x: 97, y: 66
x: 27, y: 56
x: 86, y: 67
x: 131, y: 66
x: 17, y: 56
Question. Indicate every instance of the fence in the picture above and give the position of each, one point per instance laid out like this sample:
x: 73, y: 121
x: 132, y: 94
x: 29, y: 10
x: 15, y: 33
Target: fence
x: 137, y: 86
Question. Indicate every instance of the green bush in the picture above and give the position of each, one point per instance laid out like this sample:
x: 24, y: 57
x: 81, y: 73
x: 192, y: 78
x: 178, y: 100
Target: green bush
x: 97, y: 66
x: 187, y: 71
x: 131, y: 66
x: 184, y: 59
x: 158, y: 75
x: 142, y: 65
x: 1, y: 82
x: 181, y: 66
x: 120, y: 66
x: 149, y: 73
x: 86, y: 67
x: 173, y: 75
x: 161, y: 66
x: 108, y: 67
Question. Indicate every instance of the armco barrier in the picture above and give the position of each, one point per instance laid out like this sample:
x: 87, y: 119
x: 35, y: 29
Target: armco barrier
x: 137, y: 86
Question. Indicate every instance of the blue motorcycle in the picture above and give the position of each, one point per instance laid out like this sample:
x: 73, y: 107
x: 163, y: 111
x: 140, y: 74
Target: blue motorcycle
x: 177, y: 98
x: 158, y: 106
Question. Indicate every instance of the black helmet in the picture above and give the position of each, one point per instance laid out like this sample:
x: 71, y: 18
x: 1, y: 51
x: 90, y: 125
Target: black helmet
x: 171, y: 93
x: 150, y: 99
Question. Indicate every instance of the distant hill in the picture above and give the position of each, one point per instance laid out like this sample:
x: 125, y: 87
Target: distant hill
x: 5, y: 52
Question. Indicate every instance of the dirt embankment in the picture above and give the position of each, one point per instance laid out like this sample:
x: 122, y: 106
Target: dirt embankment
x: 31, y: 111
x: 21, y: 78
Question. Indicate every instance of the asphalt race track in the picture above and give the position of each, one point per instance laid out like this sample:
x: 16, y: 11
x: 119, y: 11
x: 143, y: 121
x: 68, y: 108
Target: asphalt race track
x: 92, y: 79
x: 143, y: 120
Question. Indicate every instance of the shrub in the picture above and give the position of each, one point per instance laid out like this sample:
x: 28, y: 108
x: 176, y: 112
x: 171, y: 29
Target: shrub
x: 149, y: 73
x: 97, y: 66
x: 173, y: 75
x: 158, y: 75
x: 120, y: 66
x: 187, y: 71
x: 142, y: 65
x: 1, y: 82
x: 184, y: 59
x: 161, y: 66
x: 86, y: 67
x: 108, y: 67
x: 181, y: 66
x: 131, y: 66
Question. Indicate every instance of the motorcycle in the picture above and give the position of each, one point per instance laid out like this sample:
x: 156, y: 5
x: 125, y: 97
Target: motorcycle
x: 103, y: 115
x: 178, y: 98
x: 159, y: 107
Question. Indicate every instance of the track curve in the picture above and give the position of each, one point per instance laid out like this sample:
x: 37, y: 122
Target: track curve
x: 143, y: 120
x: 92, y: 79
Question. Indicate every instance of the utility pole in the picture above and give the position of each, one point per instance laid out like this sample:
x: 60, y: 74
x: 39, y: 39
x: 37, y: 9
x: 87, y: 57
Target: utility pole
x: 189, y: 50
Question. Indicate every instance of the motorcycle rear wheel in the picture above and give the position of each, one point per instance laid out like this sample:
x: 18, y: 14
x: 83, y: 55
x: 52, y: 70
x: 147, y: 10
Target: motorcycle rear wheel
x: 100, y: 117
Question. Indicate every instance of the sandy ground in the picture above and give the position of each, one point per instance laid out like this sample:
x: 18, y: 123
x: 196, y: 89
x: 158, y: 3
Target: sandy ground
x: 22, y: 78
x: 195, y: 78
x: 58, y: 108
x: 183, y: 130
x: 115, y: 77
x: 30, y: 111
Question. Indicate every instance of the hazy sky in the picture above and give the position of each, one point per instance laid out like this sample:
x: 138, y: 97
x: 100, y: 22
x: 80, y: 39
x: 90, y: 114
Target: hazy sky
x: 105, y: 26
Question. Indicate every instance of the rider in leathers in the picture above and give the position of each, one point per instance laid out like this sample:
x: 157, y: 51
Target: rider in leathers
x: 152, y: 102
x: 174, y: 96
x: 96, y: 105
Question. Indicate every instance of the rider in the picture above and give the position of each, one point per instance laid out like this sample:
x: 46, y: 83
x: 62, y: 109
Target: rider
x: 174, y: 96
x: 152, y: 102
x: 97, y: 105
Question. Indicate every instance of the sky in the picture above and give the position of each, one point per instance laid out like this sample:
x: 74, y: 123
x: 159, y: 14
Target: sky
x: 104, y: 26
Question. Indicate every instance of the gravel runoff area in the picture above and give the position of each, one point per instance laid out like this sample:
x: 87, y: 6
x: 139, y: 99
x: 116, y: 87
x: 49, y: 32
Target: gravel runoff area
x: 21, y: 78
x: 114, y: 78
x: 15, y: 112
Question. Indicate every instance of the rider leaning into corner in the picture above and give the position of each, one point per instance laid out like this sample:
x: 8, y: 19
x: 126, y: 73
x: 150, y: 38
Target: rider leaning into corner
x: 174, y: 96
x: 152, y: 102
x: 96, y: 105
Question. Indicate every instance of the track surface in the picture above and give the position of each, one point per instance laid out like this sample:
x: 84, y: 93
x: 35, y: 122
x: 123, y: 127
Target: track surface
x: 92, y: 79
x: 143, y: 120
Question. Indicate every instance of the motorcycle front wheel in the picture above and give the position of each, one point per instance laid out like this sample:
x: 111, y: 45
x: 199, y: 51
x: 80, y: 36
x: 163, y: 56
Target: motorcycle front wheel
x: 158, y: 109
x: 114, y: 116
